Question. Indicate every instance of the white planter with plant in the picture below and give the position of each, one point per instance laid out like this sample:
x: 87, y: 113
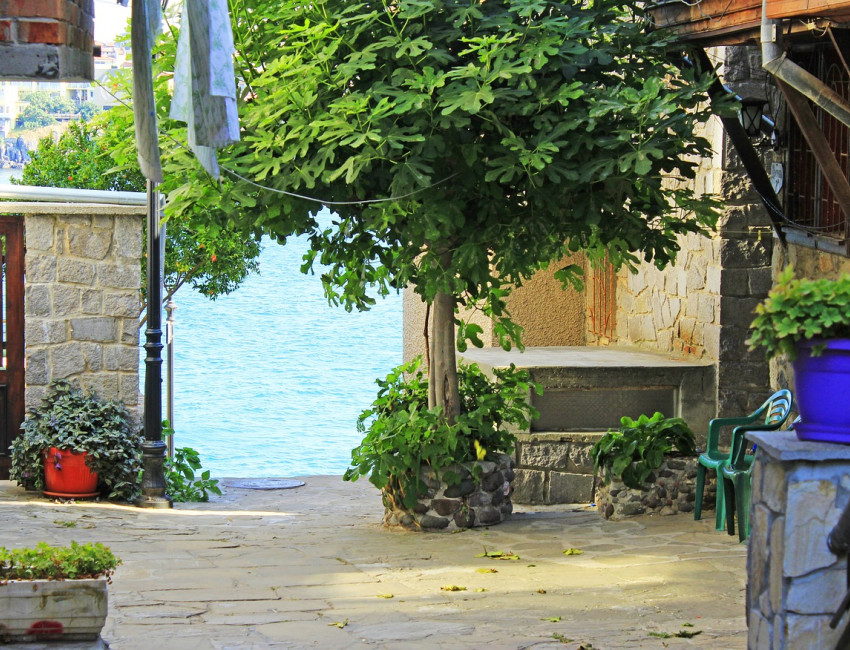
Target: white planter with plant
x: 54, y: 593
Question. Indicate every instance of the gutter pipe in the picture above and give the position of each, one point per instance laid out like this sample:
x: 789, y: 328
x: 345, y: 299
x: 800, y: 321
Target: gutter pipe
x: 71, y: 195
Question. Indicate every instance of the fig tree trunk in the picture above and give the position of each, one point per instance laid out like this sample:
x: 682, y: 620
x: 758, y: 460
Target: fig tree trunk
x: 442, y: 373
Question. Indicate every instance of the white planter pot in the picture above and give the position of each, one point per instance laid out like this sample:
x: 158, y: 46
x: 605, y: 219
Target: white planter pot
x: 57, y: 610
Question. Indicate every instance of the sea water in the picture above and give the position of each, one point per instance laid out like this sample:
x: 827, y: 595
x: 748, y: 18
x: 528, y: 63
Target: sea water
x: 269, y: 381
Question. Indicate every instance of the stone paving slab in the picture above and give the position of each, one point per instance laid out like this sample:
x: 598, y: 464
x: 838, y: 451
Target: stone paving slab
x: 312, y: 567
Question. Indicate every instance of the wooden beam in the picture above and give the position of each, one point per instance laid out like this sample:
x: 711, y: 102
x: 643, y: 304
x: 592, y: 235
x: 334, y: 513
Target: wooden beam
x: 746, y: 151
x: 823, y: 153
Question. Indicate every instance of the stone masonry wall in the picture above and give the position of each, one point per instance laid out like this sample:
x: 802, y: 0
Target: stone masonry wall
x: 702, y: 304
x: 82, y: 299
x: 795, y: 582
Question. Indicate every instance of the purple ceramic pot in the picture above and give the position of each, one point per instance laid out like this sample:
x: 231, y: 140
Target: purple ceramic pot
x: 822, y: 390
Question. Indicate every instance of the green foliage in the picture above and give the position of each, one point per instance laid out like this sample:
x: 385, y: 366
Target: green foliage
x: 509, y: 132
x: 638, y: 447
x: 49, y: 102
x: 88, y: 110
x: 43, y: 562
x: 799, y: 309
x: 402, y: 434
x: 33, y: 117
x: 78, y: 158
x: 182, y: 483
x: 80, y: 422
x: 200, y: 249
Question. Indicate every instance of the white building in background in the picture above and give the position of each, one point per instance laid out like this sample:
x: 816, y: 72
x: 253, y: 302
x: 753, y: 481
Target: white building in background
x: 12, y: 93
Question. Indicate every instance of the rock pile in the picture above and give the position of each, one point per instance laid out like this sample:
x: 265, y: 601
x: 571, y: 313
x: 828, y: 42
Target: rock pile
x: 482, y: 497
x: 670, y: 489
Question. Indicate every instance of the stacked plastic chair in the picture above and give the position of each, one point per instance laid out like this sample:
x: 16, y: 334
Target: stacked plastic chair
x: 733, y: 467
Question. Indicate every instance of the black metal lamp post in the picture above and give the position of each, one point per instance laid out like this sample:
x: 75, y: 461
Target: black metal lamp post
x: 153, y: 448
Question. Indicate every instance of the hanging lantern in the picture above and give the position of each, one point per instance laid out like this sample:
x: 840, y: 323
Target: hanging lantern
x: 752, y: 110
x: 47, y: 40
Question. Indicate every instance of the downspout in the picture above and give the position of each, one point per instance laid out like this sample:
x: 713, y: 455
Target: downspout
x: 774, y: 61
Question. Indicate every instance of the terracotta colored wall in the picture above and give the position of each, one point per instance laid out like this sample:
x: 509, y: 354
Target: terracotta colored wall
x: 549, y: 315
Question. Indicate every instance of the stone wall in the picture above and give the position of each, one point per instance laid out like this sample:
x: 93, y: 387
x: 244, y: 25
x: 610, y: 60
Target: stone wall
x: 82, y: 299
x: 482, y: 497
x: 548, y: 314
x: 702, y: 304
x: 670, y: 489
x: 795, y: 582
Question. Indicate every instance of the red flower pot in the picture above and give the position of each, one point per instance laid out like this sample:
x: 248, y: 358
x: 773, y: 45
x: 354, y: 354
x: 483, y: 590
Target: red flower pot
x: 67, y: 475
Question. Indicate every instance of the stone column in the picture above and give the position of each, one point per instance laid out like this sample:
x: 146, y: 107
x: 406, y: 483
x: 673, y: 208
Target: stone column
x: 795, y: 582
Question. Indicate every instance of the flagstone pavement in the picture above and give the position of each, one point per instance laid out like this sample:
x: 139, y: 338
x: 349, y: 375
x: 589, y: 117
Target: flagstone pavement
x: 312, y: 567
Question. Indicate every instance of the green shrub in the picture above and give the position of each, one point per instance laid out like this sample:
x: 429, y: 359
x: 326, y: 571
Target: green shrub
x: 182, y: 482
x: 638, y: 447
x: 80, y: 422
x: 402, y: 434
x: 44, y: 562
x: 800, y: 309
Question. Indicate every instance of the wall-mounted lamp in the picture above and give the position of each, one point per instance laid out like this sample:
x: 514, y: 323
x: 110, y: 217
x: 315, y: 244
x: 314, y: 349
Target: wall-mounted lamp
x: 752, y: 110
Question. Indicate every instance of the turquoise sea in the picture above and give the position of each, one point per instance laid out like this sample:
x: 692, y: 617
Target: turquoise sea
x: 269, y: 380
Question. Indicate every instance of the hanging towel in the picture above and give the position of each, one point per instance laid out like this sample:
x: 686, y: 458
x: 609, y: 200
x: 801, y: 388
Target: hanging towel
x: 146, y: 23
x: 204, y: 80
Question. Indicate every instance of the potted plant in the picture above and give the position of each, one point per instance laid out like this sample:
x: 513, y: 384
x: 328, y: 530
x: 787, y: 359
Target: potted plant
x: 54, y: 593
x: 808, y: 321
x: 646, y: 465
x: 70, y: 433
x: 434, y: 474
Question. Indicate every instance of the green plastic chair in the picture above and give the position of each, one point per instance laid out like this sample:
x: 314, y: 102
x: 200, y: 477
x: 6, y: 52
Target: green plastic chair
x: 769, y: 416
x: 737, y: 475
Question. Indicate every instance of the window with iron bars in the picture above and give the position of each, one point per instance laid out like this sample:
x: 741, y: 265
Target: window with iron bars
x: 810, y: 203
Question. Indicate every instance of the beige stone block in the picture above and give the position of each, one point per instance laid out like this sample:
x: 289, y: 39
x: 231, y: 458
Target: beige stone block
x: 809, y: 518
x: 124, y: 304
x: 79, y: 220
x: 66, y: 300
x: 759, y: 631
x: 772, y: 478
x: 121, y: 357
x: 103, y: 221
x: 776, y: 577
x: 707, y: 309
x: 37, y: 372
x: 119, y: 276
x: 643, y: 303
x: 92, y: 301
x: 810, y: 632
x: 35, y: 332
x: 820, y: 592
x: 711, y: 340
x: 41, y: 268
x: 712, y: 279
x: 129, y: 330
x: 39, y: 232
x: 37, y: 301
x: 692, y: 306
x: 93, y: 354
x: 696, y: 280
x: 94, y: 329
x: 33, y: 396
x: 665, y: 341
x: 91, y: 244
x: 758, y: 551
x: 66, y: 360
x: 637, y: 282
x: 128, y: 237
x: 75, y: 271
x: 105, y: 384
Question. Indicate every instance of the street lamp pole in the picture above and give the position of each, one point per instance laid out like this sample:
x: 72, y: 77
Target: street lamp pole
x: 153, y: 447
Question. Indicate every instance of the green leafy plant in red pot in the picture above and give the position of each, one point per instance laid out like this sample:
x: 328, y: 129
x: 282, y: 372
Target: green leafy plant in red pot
x: 72, y: 434
x: 809, y: 322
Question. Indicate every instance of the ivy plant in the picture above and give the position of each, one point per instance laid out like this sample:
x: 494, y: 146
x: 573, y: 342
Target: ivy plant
x: 44, y: 562
x: 798, y: 309
x: 72, y: 420
x: 638, y: 447
x: 402, y: 434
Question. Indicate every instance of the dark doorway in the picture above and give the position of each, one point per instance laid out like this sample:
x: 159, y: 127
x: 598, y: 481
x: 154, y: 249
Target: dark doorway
x: 12, y: 375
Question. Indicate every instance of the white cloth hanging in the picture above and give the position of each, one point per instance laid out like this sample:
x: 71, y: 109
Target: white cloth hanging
x: 204, y: 80
x: 146, y: 24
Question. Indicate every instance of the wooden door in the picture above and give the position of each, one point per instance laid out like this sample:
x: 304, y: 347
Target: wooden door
x: 12, y: 375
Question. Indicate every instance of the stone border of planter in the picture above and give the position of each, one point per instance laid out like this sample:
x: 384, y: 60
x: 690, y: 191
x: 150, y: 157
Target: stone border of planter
x: 52, y: 610
x: 671, y: 489
x: 481, y: 498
